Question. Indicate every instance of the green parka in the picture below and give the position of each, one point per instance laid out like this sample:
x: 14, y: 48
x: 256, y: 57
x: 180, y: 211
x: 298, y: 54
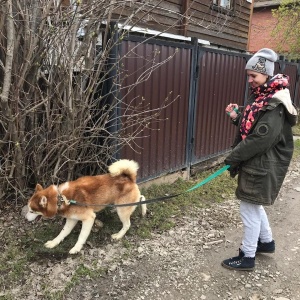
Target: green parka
x: 263, y: 157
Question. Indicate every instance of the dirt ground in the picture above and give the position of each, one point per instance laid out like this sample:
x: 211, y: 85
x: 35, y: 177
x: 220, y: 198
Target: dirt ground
x: 183, y: 263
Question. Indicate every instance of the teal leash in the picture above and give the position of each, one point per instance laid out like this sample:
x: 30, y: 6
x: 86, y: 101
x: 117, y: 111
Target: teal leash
x: 209, y: 178
x: 206, y: 180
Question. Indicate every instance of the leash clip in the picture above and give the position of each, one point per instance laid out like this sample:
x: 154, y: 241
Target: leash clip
x: 62, y: 199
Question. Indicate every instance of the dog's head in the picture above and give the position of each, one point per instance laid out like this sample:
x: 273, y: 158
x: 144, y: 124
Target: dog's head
x: 42, y: 203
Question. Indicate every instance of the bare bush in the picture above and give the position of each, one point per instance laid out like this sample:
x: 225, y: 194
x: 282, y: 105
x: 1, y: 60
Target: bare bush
x: 61, y: 90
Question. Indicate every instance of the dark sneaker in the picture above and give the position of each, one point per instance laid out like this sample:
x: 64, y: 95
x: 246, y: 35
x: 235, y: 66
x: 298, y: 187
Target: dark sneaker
x: 235, y: 258
x: 242, y: 264
x: 265, y: 247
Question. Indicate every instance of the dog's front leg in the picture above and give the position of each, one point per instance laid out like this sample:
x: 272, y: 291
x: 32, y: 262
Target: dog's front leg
x: 84, y: 233
x: 70, y: 224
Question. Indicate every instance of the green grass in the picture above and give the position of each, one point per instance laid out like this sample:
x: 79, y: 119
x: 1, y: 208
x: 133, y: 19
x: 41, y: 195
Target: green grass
x: 296, y: 149
x: 296, y: 129
x: 162, y: 213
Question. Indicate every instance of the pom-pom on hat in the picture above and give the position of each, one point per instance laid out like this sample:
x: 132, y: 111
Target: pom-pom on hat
x: 262, y: 61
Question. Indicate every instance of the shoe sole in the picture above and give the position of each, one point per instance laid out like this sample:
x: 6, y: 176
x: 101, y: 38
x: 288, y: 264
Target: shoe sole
x: 237, y: 269
x: 270, y: 252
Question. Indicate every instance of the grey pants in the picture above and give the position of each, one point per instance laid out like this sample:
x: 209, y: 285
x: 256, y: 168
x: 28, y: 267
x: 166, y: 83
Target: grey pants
x: 256, y: 226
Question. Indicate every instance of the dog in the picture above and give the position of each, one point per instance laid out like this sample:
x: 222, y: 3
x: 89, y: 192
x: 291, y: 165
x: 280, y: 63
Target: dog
x: 91, y: 194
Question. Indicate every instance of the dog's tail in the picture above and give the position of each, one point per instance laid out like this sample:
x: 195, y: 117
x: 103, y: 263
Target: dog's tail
x: 126, y: 167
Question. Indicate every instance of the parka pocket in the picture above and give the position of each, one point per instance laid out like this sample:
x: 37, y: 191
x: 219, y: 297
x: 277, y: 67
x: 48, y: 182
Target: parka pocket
x: 252, y: 181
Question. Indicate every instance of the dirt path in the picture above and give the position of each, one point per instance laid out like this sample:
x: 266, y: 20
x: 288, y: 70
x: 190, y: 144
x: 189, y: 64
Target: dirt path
x: 185, y: 262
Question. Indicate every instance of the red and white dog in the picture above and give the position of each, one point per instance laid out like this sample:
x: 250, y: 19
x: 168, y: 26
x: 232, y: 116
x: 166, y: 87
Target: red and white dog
x: 90, y: 192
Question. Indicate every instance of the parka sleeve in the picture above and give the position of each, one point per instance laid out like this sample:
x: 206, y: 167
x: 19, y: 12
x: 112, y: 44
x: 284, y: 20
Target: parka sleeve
x: 236, y: 121
x: 264, y: 136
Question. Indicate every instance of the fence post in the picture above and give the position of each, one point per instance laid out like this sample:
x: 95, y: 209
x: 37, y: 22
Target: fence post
x: 295, y: 98
x: 111, y: 84
x: 247, y: 83
x: 281, y: 63
x: 192, y: 103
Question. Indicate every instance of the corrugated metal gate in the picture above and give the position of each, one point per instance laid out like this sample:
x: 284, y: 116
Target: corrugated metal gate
x: 221, y: 81
x: 194, y: 127
x: 161, y: 148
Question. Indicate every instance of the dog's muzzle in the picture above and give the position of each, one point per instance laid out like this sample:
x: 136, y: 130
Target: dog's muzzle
x: 28, y: 215
x: 31, y: 216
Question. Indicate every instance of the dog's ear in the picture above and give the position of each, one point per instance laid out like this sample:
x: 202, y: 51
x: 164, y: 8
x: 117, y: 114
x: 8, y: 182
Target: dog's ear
x: 38, y: 187
x: 43, y: 202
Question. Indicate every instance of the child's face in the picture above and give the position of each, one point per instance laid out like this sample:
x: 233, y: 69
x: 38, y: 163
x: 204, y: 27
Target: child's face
x: 256, y: 79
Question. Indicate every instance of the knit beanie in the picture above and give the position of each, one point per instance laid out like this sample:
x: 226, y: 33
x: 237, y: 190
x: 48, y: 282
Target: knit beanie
x: 262, y: 62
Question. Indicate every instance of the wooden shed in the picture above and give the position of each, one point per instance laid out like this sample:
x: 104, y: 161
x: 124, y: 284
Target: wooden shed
x: 221, y: 22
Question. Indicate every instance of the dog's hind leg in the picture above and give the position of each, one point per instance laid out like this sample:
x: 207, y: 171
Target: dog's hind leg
x: 70, y: 224
x: 84, y: 233
x: 124, y: 215
x: 144, y: 206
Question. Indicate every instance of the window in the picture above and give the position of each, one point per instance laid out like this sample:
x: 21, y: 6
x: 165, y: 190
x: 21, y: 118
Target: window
x: 228, y: 4
x: 224, y: 6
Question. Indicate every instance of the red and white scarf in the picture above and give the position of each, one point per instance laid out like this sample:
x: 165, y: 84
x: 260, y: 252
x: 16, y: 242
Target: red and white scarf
x: 262, y: 95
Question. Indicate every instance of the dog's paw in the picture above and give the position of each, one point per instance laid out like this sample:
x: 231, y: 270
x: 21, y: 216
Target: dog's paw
x: 51, y: 244
x: 75, y: 250
x: 116, y: 236
x: 97, y: 225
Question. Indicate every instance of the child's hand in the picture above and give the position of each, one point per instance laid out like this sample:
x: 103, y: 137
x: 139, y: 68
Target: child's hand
x: 232, y: 110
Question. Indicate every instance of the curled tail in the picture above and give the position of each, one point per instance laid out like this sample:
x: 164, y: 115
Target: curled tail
x: 124, y: 167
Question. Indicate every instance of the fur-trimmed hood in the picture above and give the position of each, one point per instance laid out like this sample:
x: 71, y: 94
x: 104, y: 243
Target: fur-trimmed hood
x: 284, y: 97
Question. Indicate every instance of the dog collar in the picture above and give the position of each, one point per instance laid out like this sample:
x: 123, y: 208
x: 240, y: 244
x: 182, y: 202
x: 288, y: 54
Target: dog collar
x: 61, y: 199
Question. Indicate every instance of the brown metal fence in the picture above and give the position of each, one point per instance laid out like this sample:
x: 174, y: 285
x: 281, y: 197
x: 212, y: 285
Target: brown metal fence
x: 291, y: 69
x: 194, y: 127
x: 161, y: 148
x: 221, y: 81
x: 297, y: 94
